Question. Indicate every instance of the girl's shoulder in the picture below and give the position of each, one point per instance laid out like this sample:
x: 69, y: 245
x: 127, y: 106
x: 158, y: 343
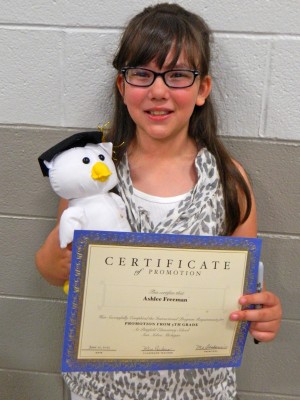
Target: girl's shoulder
x: 241, y: 170
x: 249, y: 227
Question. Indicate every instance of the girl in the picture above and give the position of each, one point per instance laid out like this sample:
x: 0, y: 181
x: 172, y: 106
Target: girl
x: 175, y: 177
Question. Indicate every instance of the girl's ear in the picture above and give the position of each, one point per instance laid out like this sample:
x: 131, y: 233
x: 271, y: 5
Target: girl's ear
x: 204, y: 90
x: 121, y: 85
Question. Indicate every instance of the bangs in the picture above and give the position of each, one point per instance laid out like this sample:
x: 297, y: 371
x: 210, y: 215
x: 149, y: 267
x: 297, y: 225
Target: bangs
x: 154, y: 38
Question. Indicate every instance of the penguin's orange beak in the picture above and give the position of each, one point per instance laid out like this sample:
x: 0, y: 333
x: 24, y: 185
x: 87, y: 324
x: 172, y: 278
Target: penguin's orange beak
x: 100, y: 172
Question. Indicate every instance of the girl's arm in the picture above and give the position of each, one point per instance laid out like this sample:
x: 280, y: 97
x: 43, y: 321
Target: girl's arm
x: 265, y: 322
x: 249, y: 227
x: 52, y: 262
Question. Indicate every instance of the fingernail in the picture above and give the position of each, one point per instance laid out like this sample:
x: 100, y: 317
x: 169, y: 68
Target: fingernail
x: 234, y: 317
x: 243, y: 300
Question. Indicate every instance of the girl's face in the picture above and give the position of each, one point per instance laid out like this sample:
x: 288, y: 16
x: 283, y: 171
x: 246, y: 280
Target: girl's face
x: 158, y: 111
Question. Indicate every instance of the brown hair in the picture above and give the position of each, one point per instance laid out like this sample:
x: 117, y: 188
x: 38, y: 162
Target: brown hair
x: 150, y: 36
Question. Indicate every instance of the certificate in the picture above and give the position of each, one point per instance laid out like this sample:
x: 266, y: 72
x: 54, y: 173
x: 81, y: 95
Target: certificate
x: 143, y: 301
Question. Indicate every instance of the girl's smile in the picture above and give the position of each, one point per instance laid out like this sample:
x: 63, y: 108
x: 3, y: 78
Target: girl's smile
x: 158, y: 113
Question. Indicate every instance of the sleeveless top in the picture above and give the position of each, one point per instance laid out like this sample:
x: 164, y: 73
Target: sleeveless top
x: 201, y: 212
x: 157, y: 207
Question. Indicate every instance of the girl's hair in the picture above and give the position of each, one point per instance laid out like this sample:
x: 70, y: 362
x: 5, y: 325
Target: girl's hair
x: 151, y: 35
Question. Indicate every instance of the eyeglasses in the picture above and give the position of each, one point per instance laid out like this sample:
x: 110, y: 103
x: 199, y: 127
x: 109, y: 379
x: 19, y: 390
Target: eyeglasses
x: 174, y: 78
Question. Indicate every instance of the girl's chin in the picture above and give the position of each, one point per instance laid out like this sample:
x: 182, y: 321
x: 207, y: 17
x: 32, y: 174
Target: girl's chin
x: 162, y: 136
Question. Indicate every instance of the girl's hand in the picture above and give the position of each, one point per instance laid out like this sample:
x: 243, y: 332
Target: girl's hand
x: 53, y: 262
x: 265, y: 321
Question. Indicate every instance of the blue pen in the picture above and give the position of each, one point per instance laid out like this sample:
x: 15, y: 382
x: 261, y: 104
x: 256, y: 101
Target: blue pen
x: 259, y: 286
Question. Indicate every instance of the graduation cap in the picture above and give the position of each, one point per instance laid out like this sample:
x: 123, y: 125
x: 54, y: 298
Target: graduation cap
x: 76, y: 140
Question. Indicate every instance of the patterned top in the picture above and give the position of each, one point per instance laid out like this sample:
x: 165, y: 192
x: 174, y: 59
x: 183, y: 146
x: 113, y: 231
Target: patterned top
x: 201, y: 212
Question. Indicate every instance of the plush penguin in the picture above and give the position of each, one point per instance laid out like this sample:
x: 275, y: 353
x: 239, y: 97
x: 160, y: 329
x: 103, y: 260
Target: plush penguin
x: 81, y: 170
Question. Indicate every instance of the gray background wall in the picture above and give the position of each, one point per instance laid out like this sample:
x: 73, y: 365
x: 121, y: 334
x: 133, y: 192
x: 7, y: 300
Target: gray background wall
x: 55, y: 75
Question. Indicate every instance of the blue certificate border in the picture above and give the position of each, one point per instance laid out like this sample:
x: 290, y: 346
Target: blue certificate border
x: 81, y: 242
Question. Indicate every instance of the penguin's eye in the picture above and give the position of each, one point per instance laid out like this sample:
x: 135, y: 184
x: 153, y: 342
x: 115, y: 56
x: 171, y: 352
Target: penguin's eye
x: 101, y: 156
x: 85, y: 160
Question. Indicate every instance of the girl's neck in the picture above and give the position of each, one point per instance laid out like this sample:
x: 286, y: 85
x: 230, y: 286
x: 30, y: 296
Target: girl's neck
x: 165, y: 169
x: 162, y: 149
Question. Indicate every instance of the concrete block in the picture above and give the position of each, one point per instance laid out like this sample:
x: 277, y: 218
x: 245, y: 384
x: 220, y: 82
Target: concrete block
x: 89, y: 78
x: 264, y: 396
x: 30, y: 77
x: 93, y: 13
x: 22, y: 385
x: 31, y: 334
x: 238, y: 69
x: 272, y: 368
x: 232, y: 16
x: 31, y: 12
x: 273, y: 168
x: 249, y: 15
x: 281, y: 259
x: 283, y: 116
x: 19, y: 274
x: 26, y: 191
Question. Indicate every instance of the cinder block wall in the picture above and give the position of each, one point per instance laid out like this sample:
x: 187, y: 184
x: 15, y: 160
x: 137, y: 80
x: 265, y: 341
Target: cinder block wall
x: 55, y: 78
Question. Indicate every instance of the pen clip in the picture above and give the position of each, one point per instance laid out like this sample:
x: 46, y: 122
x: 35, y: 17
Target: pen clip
x: 259, y: 286
x: 260, y: 277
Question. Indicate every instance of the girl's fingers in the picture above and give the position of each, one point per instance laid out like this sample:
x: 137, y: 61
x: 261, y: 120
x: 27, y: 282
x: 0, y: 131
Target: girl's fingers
x: 270, y: 309
x: 258, y: 315
x: 271, y: 326
x: 264, y: 331
x: 267, y: 299
x: 265, y: 336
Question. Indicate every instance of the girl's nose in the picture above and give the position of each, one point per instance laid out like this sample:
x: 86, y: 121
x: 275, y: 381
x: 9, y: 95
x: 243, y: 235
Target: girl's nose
x: 158, y: 89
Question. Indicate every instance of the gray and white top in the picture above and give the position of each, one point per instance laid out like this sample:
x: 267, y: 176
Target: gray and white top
x: 200, y: 212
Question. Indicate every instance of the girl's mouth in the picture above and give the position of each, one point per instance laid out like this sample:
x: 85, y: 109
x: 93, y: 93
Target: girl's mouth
x: 158, y: 113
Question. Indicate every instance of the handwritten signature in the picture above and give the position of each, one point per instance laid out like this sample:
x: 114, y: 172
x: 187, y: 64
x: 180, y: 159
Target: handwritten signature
x: 156, y: 348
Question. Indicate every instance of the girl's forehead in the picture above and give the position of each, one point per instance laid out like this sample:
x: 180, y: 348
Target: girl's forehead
x: 182, y: 59
x: 171, y: 60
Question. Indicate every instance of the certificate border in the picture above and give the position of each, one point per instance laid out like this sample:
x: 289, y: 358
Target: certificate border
x: 81, y: 242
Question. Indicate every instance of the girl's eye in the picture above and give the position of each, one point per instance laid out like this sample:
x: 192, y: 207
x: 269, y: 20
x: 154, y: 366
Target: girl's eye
x: 101, y: 156
x: 139, y: 74
x: 85, y: 160
x: 178, y: 74
x: 142, y: 74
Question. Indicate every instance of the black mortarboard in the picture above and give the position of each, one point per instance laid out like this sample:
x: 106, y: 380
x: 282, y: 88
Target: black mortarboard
x: 76, y: 140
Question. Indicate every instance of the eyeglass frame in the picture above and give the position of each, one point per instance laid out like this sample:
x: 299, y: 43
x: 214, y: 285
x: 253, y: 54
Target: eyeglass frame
x: 162, y: 74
